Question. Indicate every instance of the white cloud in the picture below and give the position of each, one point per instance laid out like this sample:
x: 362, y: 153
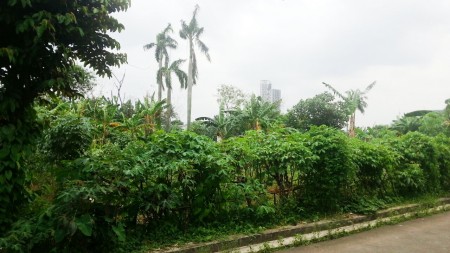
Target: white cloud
x: 403, y: 44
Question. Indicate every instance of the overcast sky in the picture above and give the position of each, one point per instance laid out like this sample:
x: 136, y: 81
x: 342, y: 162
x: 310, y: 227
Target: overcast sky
x: 297, y: 44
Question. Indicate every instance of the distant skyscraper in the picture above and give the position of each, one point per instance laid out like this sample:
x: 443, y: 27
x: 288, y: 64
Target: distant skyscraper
x: 269, y: 94
x: 265, y: 90
x: 275, y: 95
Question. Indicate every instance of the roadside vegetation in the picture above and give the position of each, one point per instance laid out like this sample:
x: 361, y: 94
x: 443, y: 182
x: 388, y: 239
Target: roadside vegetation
x: 101, y: 174
x: 106, y: 176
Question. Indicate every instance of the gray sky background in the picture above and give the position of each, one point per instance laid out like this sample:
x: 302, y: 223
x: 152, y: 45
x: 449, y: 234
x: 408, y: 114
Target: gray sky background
x: 297, y: 44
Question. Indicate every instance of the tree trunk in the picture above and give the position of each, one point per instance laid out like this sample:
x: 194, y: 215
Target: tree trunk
x: 351, y: 131
x: 189, y: 88
x: 160, y: 83
x: 169, y: 108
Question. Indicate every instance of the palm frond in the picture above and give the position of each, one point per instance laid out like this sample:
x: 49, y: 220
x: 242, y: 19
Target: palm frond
x: 168, y: 29
x: 176, y: 64
x: 171, y: 43
x: 203, y: 48
x: 149, y: 46
x: 184, y: 30
x: 336, y: 92
x: 368, y: 88
x: 199, y: 32
x: 182, y: 78
x: 193, y: 24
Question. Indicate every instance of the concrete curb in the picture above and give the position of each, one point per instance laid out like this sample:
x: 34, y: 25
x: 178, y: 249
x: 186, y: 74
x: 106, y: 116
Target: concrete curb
x: 291, y: 235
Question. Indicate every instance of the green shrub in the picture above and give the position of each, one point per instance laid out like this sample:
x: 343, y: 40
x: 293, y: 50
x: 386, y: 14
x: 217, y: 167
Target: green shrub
x: 375, y: 162
x: 174, y: 177
x: 330, y: 181
x: 442, y: 145
x: 68, y: 138
x: 417, y: 149
x: 409, y: 180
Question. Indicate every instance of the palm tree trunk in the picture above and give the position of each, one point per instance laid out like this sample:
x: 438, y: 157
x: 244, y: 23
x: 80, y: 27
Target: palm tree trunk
x: 169, y: 108
x: 351, y: 131
x: 189, y: 88
x: 160, y: 83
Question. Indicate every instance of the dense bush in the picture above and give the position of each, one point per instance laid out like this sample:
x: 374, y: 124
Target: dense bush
x: 375, y: 163
x: 442, y: 147
x: 330, y: 181
x: 275, y: 160
x: 104, y: 182
x: 68, y: 139
x: 418, y: 151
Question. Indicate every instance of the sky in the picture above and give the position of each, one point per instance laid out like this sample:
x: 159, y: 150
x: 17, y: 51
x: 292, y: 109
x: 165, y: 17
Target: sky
x: 403, y: 45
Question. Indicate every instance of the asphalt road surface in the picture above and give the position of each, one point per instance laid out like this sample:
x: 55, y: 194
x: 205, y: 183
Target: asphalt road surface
x: 429, y: 234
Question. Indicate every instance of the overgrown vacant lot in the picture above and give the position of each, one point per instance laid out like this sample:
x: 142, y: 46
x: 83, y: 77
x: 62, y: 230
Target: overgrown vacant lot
x: 101, y: 177
x: 85, y: 173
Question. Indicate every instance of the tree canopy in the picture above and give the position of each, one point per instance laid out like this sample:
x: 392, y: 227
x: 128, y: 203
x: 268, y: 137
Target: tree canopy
x: 316, y: 111
x: 41, y: 42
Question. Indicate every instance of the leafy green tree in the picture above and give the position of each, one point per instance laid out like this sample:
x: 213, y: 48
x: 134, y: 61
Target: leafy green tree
x: 41, y: 41
x: 230, y: 97
x: 406, y: 124
x: 192, y: 32
x: 354, y: 100
x: 447, y: 109
x: 433, y: 124
x: 316, y: 111
x: 163, y: 42
x: 165, y: 74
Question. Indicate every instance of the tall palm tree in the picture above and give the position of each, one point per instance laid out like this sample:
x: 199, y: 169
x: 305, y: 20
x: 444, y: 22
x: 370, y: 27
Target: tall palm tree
x: 165, y: 75
x: 354, y: 100
x: 163, y: 42
x: 192, y: 32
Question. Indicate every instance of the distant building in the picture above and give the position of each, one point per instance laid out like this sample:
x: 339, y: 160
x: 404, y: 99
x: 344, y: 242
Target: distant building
x: 265, y: 90
x: 275, y: 95
x: 267, y: 93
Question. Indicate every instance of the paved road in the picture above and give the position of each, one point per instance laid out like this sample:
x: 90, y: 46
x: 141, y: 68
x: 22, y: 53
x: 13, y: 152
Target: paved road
x: 430, y: 234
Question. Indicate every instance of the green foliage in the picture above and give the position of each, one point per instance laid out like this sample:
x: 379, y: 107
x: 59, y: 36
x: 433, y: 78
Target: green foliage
x: 418, y: 156
x: 409, y: 180
x: 406, y: 124
x: 14, y: 140
x: 40, y: 43
x: 433, y: 124
x: 316, y: 111
x: 258, y: 114
x: 442, y: 148
x: 104, y: 177
x: 230, y: 97
x: 68, y: 139
x: 374, y: 162
x: 330, y: 179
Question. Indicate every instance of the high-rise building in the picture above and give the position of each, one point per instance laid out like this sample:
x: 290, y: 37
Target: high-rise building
x: 275, y: 95
x: 269, y: 94
x: 265, y: 90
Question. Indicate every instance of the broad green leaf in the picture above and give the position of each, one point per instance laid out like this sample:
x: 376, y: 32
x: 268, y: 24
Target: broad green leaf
x: 59, y: 235
x: 8, y: 174
x: 85, y: 224
x: 119, y: 230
